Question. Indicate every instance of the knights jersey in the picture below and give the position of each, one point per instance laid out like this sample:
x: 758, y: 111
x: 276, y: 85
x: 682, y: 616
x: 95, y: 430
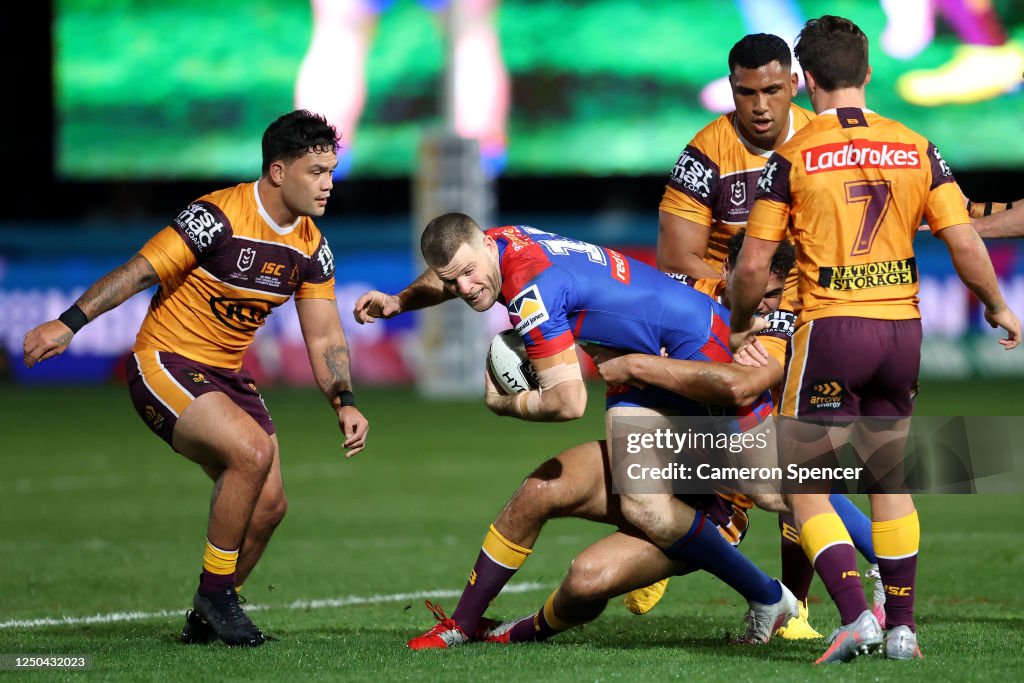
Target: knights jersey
x: 224, y: 265
x: 714, y: 181
x: 851, y: 188
x: 561, y: 291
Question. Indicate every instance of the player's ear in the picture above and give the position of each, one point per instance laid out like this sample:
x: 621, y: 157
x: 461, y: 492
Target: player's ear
x: 811, y: 83
x: 867, y: 76
x: 276, y: 173
x: 794, y: 83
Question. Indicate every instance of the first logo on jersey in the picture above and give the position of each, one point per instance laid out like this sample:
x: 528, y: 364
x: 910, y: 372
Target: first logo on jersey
x: 526, y: 310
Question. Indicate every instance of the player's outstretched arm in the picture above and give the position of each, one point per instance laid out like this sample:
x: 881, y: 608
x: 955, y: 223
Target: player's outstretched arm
x: 425, y: 291
x: 721, y: 384
x: 329, y: 359
x: 562, y: 395
x: 746, y: 287
x: 993, y: 220
x: 973, y: 265
x: 110, y: 291
x: 681, y: 247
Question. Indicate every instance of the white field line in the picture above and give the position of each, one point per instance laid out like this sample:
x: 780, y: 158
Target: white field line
x: 347, y: 601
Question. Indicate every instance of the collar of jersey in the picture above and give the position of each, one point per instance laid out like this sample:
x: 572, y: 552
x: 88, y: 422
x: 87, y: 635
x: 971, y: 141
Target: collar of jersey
x: 833, y: 111
x: 266, y: 216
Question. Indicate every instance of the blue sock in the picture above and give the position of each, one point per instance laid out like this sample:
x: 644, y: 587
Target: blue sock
x: 857, y: 524
x: 703, y: 547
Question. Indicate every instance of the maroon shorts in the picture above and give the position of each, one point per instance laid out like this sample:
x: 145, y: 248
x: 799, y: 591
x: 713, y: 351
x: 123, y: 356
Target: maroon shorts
x: 163, y: 384
x: 845, y: 367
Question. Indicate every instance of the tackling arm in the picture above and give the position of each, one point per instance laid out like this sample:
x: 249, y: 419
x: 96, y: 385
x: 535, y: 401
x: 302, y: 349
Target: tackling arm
x: 1005, y: 223
x: 329, y: 359
x: 972, y: 263
x: 722, y: 384
x: 681, y: 246
x: 110, y: 291
x: 747, y: 286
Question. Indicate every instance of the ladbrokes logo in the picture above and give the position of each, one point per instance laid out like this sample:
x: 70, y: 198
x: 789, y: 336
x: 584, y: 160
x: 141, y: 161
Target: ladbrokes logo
x: 244, y: 315
x: 526, y: 311
x: 841, y: 156
x: 869, y: 275
x: 827, y: 394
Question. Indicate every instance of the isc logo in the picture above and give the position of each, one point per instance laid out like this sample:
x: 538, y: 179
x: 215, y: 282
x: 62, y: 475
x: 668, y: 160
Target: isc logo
x: 272, y: 268
x: 900, y: 591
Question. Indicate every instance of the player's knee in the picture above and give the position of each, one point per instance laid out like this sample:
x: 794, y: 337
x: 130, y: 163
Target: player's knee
x: 269, y: 513
x: 588, y: 582
x: 772, y: 502
x: 546, y: 491
x: 256, y: 455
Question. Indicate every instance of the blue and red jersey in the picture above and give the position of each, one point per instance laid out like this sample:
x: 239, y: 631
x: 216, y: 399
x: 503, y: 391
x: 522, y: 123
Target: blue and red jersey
x: 559, y: 291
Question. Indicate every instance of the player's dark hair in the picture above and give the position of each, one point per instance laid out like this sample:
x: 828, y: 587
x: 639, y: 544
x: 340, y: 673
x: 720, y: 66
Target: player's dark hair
x: 757, y: 49
x: 295, y: 134
x: 835, y: 51
x: 782, y: 262
x: 444, y: 235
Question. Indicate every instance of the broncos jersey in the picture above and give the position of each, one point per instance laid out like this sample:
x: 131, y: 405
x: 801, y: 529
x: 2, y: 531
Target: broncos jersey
x: 714, y: 181
x: 561, y: 291
x: 851, y: 188
x: 224, y: 265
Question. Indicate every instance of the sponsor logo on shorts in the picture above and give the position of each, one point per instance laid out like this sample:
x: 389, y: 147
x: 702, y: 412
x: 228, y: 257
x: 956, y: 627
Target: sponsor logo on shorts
x: 244, y: 315
x: 197, y: 377
x: 619, y: 266
x: 844, y: 156
x: 869, y: 275
x: 201, y: 226
x: 154, y: 417
x: 526, y: 310
x: 246, y: 257
x: 827, y: 394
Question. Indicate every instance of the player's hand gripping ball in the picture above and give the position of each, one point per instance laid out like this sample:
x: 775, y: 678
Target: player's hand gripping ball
x: 510, y: 367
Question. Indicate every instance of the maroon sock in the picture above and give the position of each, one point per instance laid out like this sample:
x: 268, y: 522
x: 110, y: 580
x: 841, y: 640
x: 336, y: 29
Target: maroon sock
x: 215, y: 583
x: 797, y: 572
x: 837, y: 567
x: 486, y: 581
x: 898, y: 577
x: 532, y: 629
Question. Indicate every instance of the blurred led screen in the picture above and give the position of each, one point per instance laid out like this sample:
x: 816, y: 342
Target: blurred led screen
x: 148, y: 89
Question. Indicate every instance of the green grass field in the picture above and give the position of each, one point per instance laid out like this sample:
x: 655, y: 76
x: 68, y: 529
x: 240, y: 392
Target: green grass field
x: 101, y: 518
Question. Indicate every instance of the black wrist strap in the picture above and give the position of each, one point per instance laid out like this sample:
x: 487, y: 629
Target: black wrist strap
x: 74, y: 318
x: 347, y: 398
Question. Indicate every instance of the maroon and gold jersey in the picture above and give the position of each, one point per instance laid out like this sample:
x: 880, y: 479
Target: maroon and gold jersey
x: 224, y: 265
x: 714, y: 182
x: 851, y: 188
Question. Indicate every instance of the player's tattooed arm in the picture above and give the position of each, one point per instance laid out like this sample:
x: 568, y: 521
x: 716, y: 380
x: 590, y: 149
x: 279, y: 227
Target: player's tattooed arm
x: 52, y: 337
x: 117, y: 286
x: 424, y: 292
x: 329, y: 359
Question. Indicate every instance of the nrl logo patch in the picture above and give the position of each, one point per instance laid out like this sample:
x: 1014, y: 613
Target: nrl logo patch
x: 246, y: 258
x: 526, y: 310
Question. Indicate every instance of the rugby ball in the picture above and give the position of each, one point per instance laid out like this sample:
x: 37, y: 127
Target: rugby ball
x: 510, y: 366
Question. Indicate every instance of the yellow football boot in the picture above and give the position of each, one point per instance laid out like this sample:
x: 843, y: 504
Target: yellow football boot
x: 798, y: 628
x: 643, y: 600
x: 974, y: 74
